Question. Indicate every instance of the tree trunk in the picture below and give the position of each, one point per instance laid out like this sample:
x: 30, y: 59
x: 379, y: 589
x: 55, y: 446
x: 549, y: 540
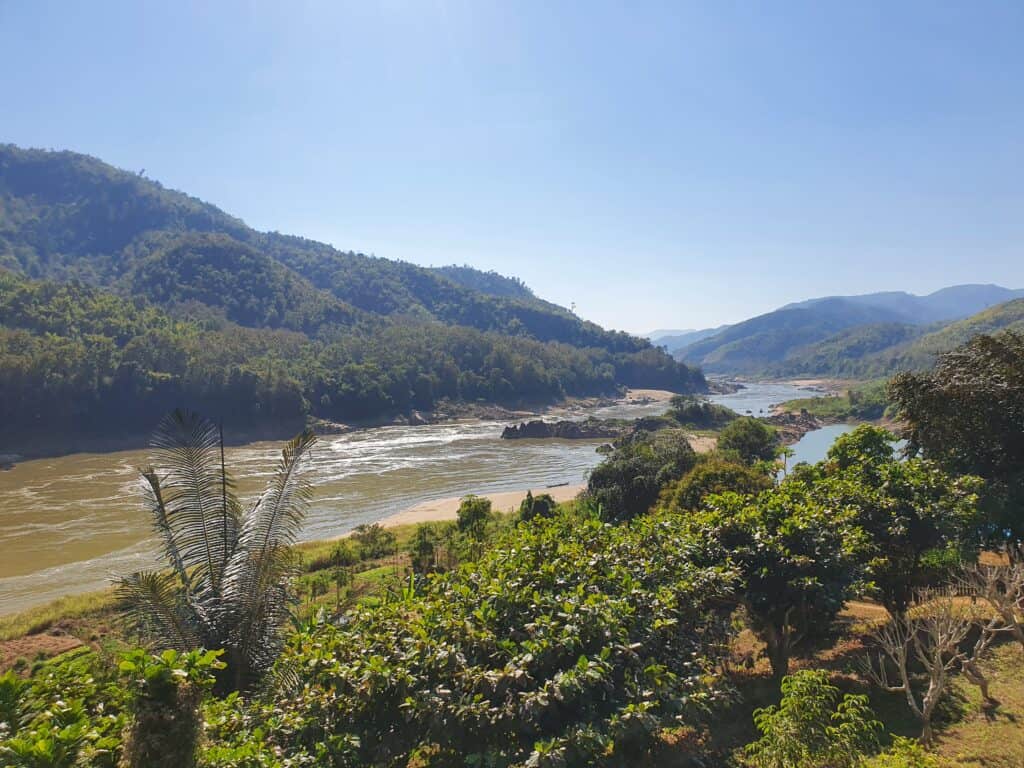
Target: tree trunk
x: 777, y: 650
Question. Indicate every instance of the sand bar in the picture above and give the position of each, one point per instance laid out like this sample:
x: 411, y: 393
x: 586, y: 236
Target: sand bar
x: 446, y: 509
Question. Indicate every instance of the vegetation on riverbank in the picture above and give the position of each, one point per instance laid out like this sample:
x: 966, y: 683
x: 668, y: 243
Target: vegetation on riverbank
x: 864, y: 402
x: 645, y: 624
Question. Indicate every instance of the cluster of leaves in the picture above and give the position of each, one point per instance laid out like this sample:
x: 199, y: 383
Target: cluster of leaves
x: 968, y: 415
x: 917, y: 522
x: 568, y: 640
x: 628, y: 481
x: 813, y: 727
x: 71, y: 712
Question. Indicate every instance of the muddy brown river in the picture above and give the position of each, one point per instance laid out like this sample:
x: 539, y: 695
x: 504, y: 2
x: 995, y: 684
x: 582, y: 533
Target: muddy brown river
x: 71, y: 524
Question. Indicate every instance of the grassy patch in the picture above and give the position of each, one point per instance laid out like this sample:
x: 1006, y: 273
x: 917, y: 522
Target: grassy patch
x: 39, y: 619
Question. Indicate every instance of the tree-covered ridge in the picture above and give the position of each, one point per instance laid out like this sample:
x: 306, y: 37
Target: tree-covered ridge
x: 486, y: 282
x: 65, y: 215
x: 78, y: 360
x: 249, y: 287
x: 862, y: 336
x: 882, y: 350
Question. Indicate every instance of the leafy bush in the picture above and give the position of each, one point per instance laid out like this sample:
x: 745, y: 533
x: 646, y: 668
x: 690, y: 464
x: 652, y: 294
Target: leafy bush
x: 373, y: 541
x: 713, y: 474
x: 567, y: 640
x: 700, y: 413
x: 751, y: 438
x: 812, y: 727
x: 537, y: 506
x: 904, y: 753
x: 628, y: 481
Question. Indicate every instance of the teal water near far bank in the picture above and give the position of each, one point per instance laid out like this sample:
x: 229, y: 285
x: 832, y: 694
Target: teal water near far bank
x: 812, y: 447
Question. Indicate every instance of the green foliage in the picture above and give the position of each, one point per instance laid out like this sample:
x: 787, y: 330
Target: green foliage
x: 474, y: 515
x: 713, y: 474
x: 812, y: 727
x: 749, y: 437
x: 77, y: 360
x: 628, y: 481
x: 168, y: 688
x: 486, y: 282
x: 264, y: 329
x: 867, y: 402
x: 228, y: 583
x: 916, y: 521
x: 795, y: 559
x: 699, y: 413
x: 373, y: 540
x: 968, y: 415
x: 537, y: 506
x: 568, y: 640
x: 904, y: 753
x: 69, y: 714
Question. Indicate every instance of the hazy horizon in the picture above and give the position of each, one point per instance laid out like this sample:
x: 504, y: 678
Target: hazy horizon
x: 663, y: 167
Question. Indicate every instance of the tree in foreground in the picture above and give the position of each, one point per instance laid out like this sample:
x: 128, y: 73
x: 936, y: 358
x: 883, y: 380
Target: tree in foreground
x: 918, y: 522
x: 228, y: 571
x: 968, y: 414
x: 795, y: 559
x: 813, y: 727
x: 930, y: 638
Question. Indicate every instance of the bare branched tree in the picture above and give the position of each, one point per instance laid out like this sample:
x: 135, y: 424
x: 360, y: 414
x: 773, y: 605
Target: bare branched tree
x: 929, y: 635
x: 1001, y: 587
x: 228, y: 571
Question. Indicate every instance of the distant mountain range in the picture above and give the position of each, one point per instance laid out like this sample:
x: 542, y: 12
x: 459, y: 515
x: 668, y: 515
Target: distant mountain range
x: 871, y: 334
x: 673, y: 340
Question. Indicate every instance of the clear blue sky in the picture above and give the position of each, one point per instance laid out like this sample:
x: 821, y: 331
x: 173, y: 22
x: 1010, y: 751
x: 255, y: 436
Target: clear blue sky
x: 659, y: 164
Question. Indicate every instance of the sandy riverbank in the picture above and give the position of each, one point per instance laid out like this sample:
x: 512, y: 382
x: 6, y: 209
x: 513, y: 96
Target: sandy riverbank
x: 446, y: 509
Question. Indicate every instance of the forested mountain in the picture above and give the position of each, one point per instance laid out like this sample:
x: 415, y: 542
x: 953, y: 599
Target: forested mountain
x: 755, y: 344
x: 882, y: 350
x: 946, y: 304
x: 835, y: 335
x: 120, y: 299
x: 673, y: 340
x: 66, y: 215
x: 486, y: 282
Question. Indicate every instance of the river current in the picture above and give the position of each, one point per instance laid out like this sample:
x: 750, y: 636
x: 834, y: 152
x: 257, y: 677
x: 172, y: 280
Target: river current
x: 69, y: 524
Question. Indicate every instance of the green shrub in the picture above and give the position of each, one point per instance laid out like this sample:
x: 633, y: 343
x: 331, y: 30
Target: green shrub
x: 568, y: 640
x: 812, y: 727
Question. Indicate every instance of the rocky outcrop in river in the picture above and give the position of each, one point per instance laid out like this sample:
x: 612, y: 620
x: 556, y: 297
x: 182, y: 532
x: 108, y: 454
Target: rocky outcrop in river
x: 791, y: 426
x: 565, y: 430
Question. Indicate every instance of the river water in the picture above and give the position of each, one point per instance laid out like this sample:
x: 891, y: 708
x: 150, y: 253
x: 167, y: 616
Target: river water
x: 69, y: 524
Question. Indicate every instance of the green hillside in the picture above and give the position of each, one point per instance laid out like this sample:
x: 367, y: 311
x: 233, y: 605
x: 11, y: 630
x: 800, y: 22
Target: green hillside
x: 882, y: 350
x: 754, y: 345
x: 65, y: 215
x: 120, y: 299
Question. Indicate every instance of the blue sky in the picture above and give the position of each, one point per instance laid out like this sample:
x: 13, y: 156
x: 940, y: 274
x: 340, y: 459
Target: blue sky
x: 659, y: 164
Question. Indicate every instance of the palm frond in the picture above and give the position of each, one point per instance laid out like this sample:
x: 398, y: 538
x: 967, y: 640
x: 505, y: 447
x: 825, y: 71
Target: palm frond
x: 154, y: 606
x: 158, y: 510
x: 200, y: 505
x: 276, y: 518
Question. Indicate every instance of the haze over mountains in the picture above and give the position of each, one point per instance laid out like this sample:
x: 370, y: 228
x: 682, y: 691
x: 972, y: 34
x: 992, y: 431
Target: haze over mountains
x: 120, y: 299
x: 871, y: 334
